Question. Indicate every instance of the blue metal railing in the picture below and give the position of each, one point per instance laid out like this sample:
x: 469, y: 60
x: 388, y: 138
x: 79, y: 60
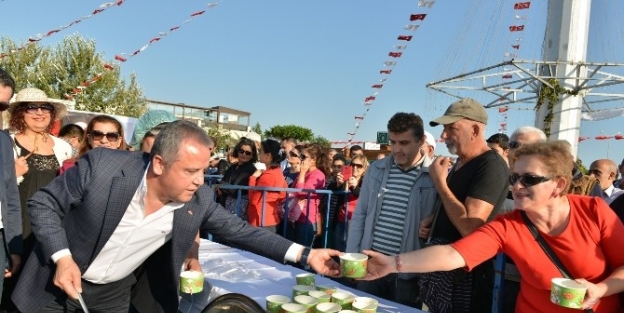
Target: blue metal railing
x: 210, y: 180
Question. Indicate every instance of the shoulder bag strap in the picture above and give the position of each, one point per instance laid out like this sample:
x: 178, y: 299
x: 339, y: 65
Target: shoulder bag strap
x: 547, y: 249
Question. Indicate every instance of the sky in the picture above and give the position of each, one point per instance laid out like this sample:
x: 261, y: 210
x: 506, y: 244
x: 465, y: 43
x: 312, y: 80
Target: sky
x: 312, y: 63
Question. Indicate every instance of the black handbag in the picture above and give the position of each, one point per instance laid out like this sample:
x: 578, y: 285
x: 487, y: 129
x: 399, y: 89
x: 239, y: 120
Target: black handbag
x: 548, y: 250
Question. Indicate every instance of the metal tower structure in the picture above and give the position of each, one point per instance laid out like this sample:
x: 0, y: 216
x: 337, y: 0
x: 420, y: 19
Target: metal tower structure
x: 561, y: 86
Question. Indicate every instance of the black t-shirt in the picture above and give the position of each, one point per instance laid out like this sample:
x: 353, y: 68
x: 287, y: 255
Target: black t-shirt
x: 483, y: 178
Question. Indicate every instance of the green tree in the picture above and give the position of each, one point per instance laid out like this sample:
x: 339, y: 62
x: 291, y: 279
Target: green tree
x: 289, y: 131
x: 222, y: 137
x: 74, y: 63
x: 324, y: 142
x: 257, y: 129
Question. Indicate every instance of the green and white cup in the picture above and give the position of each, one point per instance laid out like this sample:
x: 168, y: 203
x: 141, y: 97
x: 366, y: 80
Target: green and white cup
x: 328, y: 307
x: 307, y: 301
x: 343, y: 299
x: 567, y: 293
x: 299, y: 290
x: 293, y: 308
x: 191, y: 282
x: 327, y: 289
x: 321, y: 296
x: 353, y: 265
x: 365, y: 305
x: 306, y: 279
x: 274, y: 303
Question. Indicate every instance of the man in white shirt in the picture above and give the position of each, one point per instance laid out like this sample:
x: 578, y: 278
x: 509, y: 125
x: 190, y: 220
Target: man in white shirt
x: 287, y: 145
x: 605, y: 171
x: 122, y: 223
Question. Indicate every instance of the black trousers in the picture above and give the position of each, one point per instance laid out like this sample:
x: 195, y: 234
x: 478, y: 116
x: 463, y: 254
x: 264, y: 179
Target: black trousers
x: 99, y: 298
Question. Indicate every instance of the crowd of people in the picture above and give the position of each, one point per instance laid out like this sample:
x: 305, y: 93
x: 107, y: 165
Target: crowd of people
x: 87, y: 213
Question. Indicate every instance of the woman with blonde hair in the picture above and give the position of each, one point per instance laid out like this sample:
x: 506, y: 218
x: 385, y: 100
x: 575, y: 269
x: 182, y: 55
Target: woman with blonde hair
x: 359, y: 165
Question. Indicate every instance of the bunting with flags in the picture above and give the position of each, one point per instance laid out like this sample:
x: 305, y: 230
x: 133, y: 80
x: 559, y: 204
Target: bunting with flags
x: 31, y: 40
x: 123, y: 57
x: 415, y: 20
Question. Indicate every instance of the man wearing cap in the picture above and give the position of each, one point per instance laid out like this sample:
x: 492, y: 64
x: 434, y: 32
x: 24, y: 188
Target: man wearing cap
x: 471, y: 193
x: 396, y: 194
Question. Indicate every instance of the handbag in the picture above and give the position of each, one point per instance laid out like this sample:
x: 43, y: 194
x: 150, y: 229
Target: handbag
x: 548, y: 250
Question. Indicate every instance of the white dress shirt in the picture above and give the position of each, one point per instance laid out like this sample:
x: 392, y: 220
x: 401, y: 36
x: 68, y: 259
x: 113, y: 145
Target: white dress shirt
x: 136, y: 237
x: 611, y: 193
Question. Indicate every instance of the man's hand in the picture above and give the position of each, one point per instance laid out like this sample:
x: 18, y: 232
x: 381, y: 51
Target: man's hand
x: 67, y: 276
x: 379, y: 265
x: 192, y: 264
x: 16, y: 261
x: 321, y: 261
x: 438, y: 170
x: 425, y: 227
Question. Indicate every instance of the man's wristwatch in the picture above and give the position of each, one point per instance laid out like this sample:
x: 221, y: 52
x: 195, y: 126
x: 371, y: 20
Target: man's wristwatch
x: 304, y: 256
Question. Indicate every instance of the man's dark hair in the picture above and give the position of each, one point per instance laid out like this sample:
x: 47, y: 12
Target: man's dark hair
x: 355, y: 148
x: 339, y: 157
x: 7, y: 80
x: 500, y: 139
x: 170, y: 139
x: 71, y: 130
x: 403, y: 121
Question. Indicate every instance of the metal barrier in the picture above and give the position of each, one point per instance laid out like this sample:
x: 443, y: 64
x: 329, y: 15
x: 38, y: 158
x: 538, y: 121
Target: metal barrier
x: 209, y: 180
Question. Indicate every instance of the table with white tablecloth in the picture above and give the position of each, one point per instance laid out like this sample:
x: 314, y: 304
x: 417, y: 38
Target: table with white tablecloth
x: 231, y: 270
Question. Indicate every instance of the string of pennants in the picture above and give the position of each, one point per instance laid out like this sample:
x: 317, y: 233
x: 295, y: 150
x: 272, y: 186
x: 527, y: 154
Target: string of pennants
x: 31, y: 40
x: 403, y: 40
x: 602, y: 137
x: 123, y: 57
x: 517, y: 29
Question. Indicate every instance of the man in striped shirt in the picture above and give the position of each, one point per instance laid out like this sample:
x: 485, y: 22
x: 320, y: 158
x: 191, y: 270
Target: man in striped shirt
x: 396, y: 194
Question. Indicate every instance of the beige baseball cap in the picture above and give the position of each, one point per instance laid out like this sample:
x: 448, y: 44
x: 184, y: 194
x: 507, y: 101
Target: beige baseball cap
x: 467, y: 108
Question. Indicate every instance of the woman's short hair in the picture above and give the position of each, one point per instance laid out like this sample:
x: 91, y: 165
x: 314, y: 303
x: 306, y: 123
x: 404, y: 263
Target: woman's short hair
x: 555, y: 155
x: 362, y: 158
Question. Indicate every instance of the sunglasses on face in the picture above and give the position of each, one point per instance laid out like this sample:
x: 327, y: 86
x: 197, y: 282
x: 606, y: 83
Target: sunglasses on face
x: 527, y: 180
x: 98, y: 135
x: 358, y: 166
x: 293, y: 155
x: 245, y: 152
x: 303, y: 157
x: 514, y: 145
x: 45, y: 108
x: 3, y: 106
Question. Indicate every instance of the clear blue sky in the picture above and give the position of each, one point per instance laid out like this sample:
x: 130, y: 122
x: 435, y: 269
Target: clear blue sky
x: 312, y: 63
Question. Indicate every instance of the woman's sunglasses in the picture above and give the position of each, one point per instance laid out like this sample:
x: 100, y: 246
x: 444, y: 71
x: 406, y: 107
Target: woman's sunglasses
x: 293, y: 155
x: 245, y: 152
x: 527, y: 180
x: 98, y: 135
x: 358, y: 166
x: 33, y: 108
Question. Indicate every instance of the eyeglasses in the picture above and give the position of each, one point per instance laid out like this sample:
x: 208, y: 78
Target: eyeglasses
x: 514, y: 145
x: 527, y: 180
x: 46, y: 108
x: 293, y: 155
x: 358, y: 166
x: 3, y: 106
x: 98, y: 135
x: 245, y: 152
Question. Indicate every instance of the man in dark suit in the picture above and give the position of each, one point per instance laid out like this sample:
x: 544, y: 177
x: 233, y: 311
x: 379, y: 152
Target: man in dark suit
x: 120, y: 219
x: 11, y: 223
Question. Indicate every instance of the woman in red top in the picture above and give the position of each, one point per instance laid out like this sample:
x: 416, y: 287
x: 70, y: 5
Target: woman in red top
x: 270, y: 155
x: 583, y: 232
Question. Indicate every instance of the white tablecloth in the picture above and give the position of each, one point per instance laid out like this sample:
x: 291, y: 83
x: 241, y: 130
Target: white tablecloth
x: 230, y: 270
